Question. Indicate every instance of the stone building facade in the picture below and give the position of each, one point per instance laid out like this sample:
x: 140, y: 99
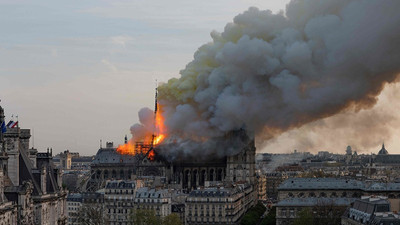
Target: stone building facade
x: 74, y: 204
x: 219, y: 205
x: 288, y: 210
x: 184, y: 174
x: 262, y: 187
x: 65, y: 160
x: 123, y: 198
x: 29, y: 181
x: 370, y: 210
x: 273, y: 180
x: 119, y: 200
x: 320, y: 187
x: 335, y: 188
x: 158, y: 200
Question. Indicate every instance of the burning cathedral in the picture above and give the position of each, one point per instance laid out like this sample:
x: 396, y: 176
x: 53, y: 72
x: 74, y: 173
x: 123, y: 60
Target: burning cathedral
x: 149, y: 158
x: 187, y: 174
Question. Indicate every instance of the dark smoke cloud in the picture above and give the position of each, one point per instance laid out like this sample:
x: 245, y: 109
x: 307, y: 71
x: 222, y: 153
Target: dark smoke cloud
x: 270, y: 73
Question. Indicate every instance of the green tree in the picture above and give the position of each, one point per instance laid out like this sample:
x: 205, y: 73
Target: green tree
x: 270, y: 219
x: 253, y: 215
x: 172, y: 219
x: 144, y: 217
x: 305, y: 217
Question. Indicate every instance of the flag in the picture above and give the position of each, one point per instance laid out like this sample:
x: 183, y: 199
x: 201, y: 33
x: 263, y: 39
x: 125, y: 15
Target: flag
x: 3, y: 127
x: 13, y: 124
x: 9, y: 123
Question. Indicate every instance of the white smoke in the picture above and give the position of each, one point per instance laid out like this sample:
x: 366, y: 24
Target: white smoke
x: 145, y: 128
x: 269, y: 73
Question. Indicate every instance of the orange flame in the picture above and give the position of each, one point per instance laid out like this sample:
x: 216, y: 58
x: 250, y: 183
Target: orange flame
x: 144, y: 147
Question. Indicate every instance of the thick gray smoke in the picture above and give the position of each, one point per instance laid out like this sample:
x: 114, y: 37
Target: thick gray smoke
x: 269, y: 73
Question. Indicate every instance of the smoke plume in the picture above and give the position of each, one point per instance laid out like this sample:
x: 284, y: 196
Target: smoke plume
x: 364, y: 130
x: 269, y: 73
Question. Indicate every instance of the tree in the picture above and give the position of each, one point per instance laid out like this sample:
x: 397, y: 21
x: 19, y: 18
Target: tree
x: 145, y: 217
x: 328, y: 213
x: 92, y: 214
x: 305, y: 217
x: 325, y: 212
x: 172, y: 219
x: 270, y: 219
x: 253, y: 215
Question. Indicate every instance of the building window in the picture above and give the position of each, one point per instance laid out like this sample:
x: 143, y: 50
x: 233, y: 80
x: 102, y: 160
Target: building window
x: 283, y: 212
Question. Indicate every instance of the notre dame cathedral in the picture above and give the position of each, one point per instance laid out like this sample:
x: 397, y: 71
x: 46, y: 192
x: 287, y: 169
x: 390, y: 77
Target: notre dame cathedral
x: 183, y: 174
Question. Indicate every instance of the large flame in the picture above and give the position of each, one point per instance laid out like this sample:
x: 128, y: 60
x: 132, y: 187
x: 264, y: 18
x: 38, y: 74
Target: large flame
x: 143, y: 146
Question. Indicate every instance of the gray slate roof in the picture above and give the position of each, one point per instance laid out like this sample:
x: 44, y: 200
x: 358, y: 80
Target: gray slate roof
x: 315, y: 201
x: 110, y: 155
x: 321, y: 183
x: 151, y: 193
x: 335, y: 184
x: 120, y: 184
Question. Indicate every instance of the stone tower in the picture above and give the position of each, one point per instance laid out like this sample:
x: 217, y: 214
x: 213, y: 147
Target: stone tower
x: 241, y: 166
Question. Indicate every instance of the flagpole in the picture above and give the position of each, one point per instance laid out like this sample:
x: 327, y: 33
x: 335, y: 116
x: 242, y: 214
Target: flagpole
x: 3, y: 146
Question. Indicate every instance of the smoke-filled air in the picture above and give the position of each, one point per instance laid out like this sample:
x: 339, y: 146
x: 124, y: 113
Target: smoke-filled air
x: 269, y: 73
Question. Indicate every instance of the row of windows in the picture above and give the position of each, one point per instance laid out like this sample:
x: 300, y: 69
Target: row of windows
x: 74, y: 203
x: 110, y: 191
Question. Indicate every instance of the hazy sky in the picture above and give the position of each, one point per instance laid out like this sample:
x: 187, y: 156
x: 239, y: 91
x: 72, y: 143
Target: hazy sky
x: 79, y: 71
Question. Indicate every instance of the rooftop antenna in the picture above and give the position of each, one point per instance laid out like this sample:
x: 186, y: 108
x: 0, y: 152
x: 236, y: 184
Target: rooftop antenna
x: 17, y: 120
x: 101, y: 143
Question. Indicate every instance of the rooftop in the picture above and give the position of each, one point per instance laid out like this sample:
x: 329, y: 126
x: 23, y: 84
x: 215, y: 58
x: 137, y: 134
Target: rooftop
x: 111, y: 156
x: 151, y: 193
x: 120, y: 184
x: 320, y: 183
x: 315, y: 201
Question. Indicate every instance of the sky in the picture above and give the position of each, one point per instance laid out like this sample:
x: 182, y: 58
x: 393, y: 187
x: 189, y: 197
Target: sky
x: 77, y: 72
